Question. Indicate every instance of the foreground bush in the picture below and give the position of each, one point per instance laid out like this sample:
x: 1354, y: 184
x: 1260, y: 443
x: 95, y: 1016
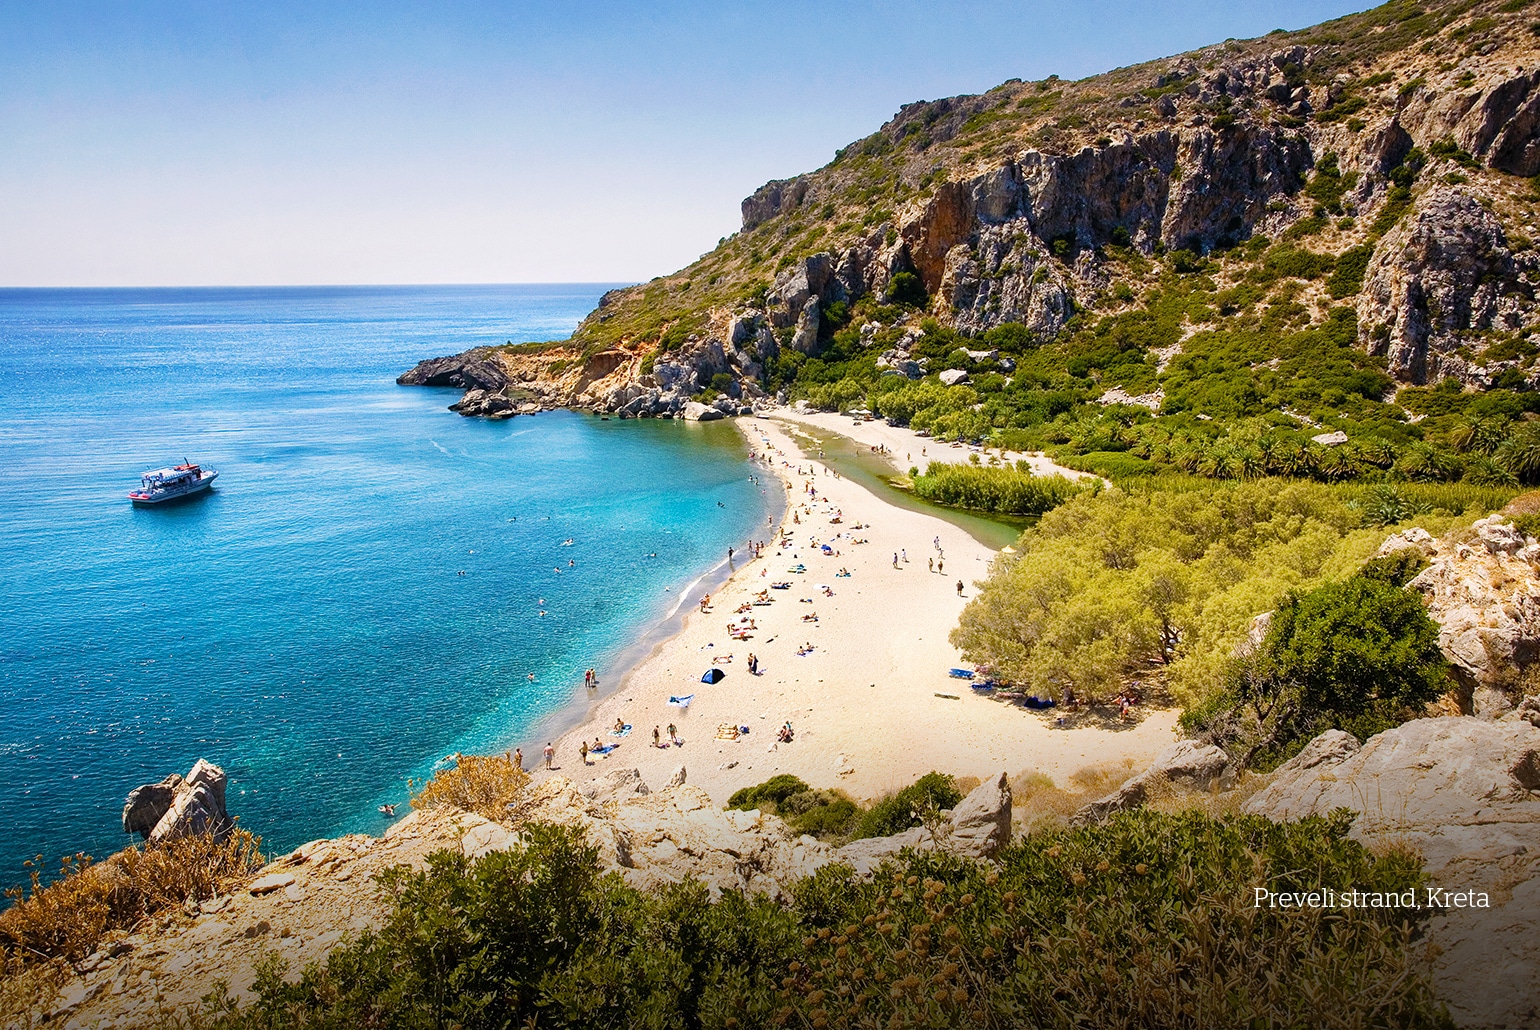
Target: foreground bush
x: 825, y: 814
x: 484, y: 784
x: 1361, y: 655
x: 1147, y: 921
x: 68, y: 918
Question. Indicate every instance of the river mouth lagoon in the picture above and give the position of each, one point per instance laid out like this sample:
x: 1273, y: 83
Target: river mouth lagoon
x: 368, y: 588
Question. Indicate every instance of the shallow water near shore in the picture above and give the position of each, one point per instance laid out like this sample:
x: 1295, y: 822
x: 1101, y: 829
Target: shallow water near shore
x: 359, y: 596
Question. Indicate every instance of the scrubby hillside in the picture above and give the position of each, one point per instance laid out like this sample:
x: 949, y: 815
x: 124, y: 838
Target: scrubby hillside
x: 1318, y: 232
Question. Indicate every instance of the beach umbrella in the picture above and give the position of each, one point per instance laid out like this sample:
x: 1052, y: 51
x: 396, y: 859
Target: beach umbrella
x: 681, y: 702
x: 712, y: 675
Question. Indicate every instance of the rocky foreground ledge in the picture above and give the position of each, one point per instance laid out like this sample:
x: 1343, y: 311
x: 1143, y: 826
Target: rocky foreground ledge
x: 1463, y: 790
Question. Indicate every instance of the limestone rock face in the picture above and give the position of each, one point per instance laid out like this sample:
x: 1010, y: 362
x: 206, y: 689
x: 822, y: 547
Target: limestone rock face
x: 1185, y: 765
x: 695, y: 411
x: 978, y: 828
x: 1445, y: 270
x: 473, y: 370
x: 177, y: 807
x: 146, y: 805
x: 1485, y: 596
x: 1465, y: 793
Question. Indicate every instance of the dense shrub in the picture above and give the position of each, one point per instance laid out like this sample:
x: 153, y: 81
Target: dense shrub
x: 1361, y: 655
x: 911, y: 806
x: 1014, y: 491
x: 1105, y: 586
x: 1146, y: 921
x: 825, y: 814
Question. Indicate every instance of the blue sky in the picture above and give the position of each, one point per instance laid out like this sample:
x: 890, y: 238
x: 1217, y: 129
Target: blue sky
x: 217, y: 143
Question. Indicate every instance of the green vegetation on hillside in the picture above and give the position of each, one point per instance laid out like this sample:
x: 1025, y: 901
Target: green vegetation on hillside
x: 1359, y: 655
x: 1147, y: 921
x: 1166, y: 576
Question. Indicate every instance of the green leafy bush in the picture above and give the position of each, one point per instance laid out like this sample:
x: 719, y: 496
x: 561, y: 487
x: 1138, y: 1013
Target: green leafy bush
x: 1146, y: 921
x: 895, y: 813
x: 1013, y: 491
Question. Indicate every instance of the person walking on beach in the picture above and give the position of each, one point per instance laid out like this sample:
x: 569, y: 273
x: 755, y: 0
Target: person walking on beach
x: 959, y: 588
x: 941, y: 566
x: 895, y: 559
x: 550, y: 752
x: 518, y: 759
x: 656, y: 742
x: 673, y: 734
x: 753, y: 664
x: 583, y: 747
x: 904, y: 554
x: 930, y: 565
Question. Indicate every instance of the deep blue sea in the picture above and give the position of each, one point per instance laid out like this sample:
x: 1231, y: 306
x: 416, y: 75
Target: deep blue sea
x: 361, y: 593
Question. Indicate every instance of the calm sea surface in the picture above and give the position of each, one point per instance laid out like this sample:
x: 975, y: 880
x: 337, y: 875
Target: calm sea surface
x: 362, y: 592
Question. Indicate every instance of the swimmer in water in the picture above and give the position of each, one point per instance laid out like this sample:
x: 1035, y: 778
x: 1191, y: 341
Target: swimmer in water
x: 387, y: 809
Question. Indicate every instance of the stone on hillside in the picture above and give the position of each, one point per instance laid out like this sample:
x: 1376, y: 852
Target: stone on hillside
x: 1416, y: 538
x: 981, y: 822
x: 1486, y: 600
x: 1185, y: 765
x: 146, y: 805
x: 1331, y: 439
x: 695, y: 411
x: 177, y: 807
x: 270, y: 883
x: 615, y: 785
x: 978, y: 827
x: 677, y: 780
x: 953, y: 376
x: 1331, y: 748
x: 1461, y: 792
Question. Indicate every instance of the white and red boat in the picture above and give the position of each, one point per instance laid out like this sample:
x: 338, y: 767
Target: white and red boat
x: 169, y: 484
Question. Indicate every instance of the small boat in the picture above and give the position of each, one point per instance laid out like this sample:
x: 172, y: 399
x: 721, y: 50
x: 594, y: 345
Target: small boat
x: 168, y: 484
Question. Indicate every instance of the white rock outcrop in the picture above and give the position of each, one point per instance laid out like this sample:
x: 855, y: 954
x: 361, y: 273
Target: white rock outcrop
x: 1185, y: 765
x: 1465, y: 794
x: 1483, y: 590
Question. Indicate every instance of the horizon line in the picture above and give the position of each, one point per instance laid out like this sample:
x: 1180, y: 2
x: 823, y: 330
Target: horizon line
x: 333, y: 286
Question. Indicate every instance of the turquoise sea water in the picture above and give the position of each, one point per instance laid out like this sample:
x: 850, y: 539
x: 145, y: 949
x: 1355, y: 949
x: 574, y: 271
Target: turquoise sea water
x: 360, y: 594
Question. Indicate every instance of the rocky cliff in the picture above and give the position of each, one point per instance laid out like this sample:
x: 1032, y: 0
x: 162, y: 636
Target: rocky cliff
x: 1396, y: 144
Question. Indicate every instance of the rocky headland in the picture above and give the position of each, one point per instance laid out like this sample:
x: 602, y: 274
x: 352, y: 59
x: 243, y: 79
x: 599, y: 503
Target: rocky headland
x: 1395, y: 145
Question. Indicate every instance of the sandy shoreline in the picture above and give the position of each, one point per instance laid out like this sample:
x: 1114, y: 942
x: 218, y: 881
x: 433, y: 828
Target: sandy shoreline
x: 907, y: 449
x: 864, y: 702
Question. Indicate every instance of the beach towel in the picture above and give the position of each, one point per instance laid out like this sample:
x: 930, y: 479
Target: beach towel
x: 681, y: 702
x: 604, y: 750
x: 961, y: 674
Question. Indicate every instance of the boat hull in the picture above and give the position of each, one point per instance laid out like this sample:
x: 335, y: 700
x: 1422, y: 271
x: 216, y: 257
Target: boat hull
x: 201, y: 485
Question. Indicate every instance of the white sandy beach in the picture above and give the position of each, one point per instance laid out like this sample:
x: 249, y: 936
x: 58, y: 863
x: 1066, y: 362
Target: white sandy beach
x: 907, y: 449
x: 864, y: 702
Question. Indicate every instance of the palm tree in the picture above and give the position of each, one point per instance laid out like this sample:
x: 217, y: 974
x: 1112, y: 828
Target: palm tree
x: 1478, y: 434
x: 1520, y: 453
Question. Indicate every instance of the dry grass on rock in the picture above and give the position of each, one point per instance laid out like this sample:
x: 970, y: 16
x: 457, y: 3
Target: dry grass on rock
x: 484, y: 784
x: 67, y: 919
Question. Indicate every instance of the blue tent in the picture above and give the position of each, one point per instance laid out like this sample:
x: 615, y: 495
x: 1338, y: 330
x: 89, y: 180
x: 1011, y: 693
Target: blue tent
x: 712, y: 675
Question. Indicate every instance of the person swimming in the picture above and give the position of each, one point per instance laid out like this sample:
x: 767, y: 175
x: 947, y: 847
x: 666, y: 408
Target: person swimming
x: 387, y: 809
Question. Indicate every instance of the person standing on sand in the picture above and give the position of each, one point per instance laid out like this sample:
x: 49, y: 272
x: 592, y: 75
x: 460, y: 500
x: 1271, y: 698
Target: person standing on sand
x: 673, y: 734
x: 895, y: 559
x: 518, y: 759
x: 930, y: 565
x: 655, y: 738
x: 550, y: 752
x: 941, y: 566
x: 583, y: 748
x: 959, y: 588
